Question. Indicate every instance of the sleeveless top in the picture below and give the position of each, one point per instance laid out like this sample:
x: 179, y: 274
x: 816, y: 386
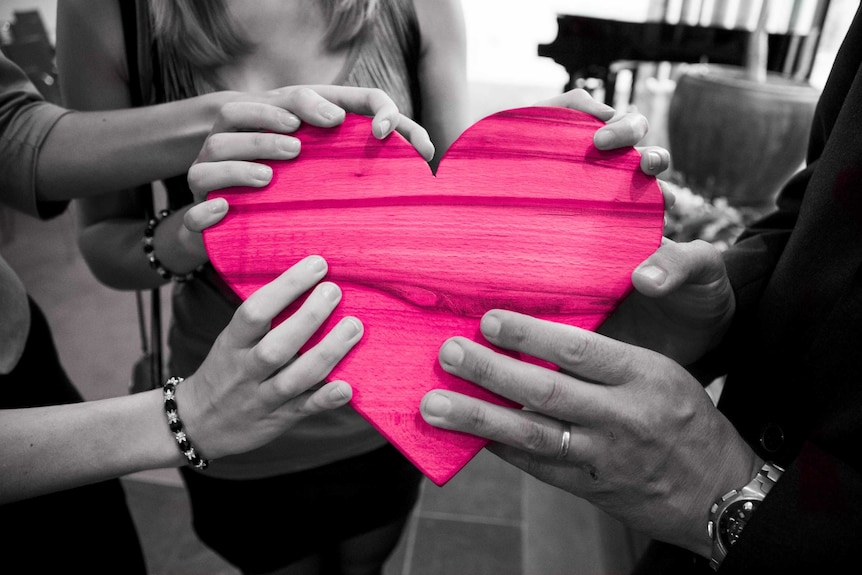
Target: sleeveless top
x: 386, y: 57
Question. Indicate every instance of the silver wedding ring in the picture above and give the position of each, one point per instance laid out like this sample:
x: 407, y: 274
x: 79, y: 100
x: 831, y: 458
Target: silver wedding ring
x: 564, y: 443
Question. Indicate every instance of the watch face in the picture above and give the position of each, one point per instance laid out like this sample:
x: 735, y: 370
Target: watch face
x: 733, y: 520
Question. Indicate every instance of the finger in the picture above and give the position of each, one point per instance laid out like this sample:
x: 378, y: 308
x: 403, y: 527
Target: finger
x: 536, y: 387
x: 557, y: 473
x: 667, y: 194
x: 248, y: 146
x: 255, y: 117
x: 674, y: 264
x: 587, y: 355
x: 582, y: 101
x: 417, y: 136
x: 654, y: 160
x: 282, y: 343
x: 309, y: 105
x: 253, y: 318
x: 209, y: 176
x: 201, y: 216
x: 368, y: 102
x: 330, y: 396
x: 385, y: 115
x: 525, y: 430
x: 621, y: 131
x: 315, y: 364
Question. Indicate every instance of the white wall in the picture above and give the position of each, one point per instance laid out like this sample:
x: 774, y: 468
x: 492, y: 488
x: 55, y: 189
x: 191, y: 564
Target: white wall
x: 503, y: 38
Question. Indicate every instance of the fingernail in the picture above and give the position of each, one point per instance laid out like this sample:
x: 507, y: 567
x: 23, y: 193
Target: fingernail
x: 385, y: 127
x: 316, y: 264
x: 337, y: 393
x: 451, y: 354
x: 288, y: 121
x: 262, y: 173
x: 603, y: 139
x: 653, y: 273
x: 653, y: 160
x: 437, y: 405
x: 331, y: 292
x: 330, y: 111
x: 348, y: 328
x: 218, y: 206
x: 490, y: 326
x: 288, y: 144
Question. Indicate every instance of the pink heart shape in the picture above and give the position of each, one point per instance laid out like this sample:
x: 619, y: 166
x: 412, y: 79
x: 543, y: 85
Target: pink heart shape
x: 524, y: 214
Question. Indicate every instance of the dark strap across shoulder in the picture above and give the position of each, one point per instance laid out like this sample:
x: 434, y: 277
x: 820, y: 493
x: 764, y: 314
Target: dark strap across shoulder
x: 139, y: 56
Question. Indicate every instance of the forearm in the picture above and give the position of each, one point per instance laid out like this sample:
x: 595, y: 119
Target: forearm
x: 113, y: 250
x: 51, y: 448
x: 125, y: 148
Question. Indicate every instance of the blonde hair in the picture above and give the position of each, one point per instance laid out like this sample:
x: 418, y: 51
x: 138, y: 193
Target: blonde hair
x: 202, y: 32
x: 348, y: 19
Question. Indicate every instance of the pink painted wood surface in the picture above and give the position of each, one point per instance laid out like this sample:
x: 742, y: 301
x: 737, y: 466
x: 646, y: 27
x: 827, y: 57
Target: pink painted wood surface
x: 523, y: 214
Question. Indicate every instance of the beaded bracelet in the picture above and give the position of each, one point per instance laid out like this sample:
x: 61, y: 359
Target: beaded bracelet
x: 176, y: 425
x: 150, y: 251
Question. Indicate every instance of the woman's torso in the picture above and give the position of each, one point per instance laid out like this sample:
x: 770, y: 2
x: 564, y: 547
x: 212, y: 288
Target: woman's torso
x: 385, y: 57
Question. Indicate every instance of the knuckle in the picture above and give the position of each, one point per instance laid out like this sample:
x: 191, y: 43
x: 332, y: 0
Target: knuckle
x: 475, y: 417
x: 314, y: 315
x: 229, y: 111
x: 581, y: 94
x: 327, y: 356
x: 573, y: 351
x: 377, y: 95
x: 303, y: 94
x: 641, y: 125
x: 259, y: 116
x: 213, y: 146
x: 268, y: 355
x: 547, y: 396
x: 483, y: 370
x: 536, y: 438
x: 194, y: 176
x: 252, y: 314
x: 262, y: 140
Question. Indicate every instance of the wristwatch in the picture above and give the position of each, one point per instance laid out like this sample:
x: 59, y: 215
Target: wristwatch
x: 731, y: 512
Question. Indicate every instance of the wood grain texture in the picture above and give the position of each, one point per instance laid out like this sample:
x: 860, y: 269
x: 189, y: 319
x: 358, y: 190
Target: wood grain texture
x: 523, y: 214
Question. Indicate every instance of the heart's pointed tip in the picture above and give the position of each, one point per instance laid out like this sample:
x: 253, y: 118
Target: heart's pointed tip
x: 441, y: 477
x: 440, y: 481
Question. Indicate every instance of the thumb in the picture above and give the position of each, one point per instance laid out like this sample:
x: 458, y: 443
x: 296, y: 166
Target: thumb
x: 674, y: 264
x: 205, y: 214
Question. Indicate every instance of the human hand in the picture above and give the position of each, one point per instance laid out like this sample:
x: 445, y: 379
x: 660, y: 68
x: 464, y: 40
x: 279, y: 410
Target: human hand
x: 682, y: 304
x: 247, y: 130
x: 646, y: 443
x: 252, y: 386
x: 621, y: 130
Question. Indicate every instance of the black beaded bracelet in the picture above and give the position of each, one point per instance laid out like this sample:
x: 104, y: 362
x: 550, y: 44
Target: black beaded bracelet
x: 176, y: 425
x: 150, y: 251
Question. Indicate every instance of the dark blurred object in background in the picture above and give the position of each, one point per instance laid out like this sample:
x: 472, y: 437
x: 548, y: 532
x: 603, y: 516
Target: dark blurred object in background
x: 25, y: 41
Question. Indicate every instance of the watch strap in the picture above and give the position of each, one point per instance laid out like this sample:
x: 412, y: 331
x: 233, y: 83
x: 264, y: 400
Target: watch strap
x: 756, y: 490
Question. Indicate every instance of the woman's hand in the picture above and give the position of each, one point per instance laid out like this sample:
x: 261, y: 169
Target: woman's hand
x: 252, y: 386
x: 621, y: 130
x: 625, y: 428
x: 246, y: 131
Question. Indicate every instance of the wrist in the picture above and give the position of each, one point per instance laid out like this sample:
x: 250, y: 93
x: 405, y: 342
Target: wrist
x: 177, y: 426
x: 731, y: 512
x: 148, y: 443
x: 170, y: 247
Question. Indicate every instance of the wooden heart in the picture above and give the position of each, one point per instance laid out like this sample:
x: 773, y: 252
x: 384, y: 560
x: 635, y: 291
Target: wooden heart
x: 524, y: 214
